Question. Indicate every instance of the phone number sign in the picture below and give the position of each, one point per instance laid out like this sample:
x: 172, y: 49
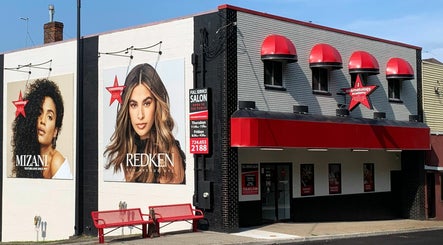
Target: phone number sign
x: 198, y: 109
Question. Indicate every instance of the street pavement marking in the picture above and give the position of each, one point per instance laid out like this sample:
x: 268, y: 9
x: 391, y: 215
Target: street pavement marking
x: 260, y: 234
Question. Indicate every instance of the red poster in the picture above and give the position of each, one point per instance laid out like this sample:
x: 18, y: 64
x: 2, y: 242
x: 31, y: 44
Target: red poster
x: 307, y: 179
x: 334, y: 178
x: 249, y: 179
x: 368, y: 177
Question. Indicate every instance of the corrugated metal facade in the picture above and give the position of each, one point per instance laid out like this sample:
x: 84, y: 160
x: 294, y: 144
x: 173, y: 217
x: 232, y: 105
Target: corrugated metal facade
x: 253, y: 29
x: 433, y: 96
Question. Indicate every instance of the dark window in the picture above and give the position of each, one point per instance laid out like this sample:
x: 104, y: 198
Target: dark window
x: 273, y: 73
x: 394, y: 88
x: 320, y: 79
x: 363, y: 77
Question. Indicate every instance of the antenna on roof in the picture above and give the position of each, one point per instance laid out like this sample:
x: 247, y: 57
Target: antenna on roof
x: 51, y: 12
x: 28, y: 36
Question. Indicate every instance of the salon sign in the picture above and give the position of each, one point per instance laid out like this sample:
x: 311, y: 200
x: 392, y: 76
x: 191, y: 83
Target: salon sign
x: 198, y: 116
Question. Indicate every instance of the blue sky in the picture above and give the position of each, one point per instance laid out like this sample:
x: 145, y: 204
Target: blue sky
x: 415, y: 22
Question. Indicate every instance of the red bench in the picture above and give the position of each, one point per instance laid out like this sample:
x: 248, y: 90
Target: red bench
x: 175, y: 212
x: 119, y: 218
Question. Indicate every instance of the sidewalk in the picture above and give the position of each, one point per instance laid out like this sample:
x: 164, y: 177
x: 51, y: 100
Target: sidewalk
x: 279, y: 233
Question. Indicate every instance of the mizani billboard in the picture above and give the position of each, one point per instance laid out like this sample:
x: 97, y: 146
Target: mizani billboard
x: 40, y: 128
x: 143, y: 123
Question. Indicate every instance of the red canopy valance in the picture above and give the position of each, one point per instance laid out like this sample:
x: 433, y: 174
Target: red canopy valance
x: 399, y: 68
x: 363, y: 62
x: 324, y: 55
x: 278, y: 48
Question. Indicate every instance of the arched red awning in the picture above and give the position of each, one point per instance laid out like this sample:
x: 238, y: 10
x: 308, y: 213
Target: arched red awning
x: 324, y: 55
x: 363, y: 62
x: 399, y: 68
x: 278, y: 48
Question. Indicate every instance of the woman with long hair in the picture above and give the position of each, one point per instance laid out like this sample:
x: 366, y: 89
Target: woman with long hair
x: 143, y: 147
x: 35, y: 135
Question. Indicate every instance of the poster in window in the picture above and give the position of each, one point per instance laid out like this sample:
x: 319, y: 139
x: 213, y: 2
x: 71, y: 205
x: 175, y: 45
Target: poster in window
x: 334, y: 178
x: 368, y: 177
x: 307, y: 179
x: 249, y: 179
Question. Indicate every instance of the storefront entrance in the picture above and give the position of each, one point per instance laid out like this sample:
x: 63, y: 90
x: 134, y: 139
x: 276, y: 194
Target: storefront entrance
x: 275, y: 182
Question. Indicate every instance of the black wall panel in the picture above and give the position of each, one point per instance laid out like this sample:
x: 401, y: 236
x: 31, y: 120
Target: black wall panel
x: 87, y: 137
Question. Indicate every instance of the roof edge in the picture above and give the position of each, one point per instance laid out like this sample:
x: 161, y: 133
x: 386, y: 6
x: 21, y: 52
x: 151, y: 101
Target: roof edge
x: 309, y: 24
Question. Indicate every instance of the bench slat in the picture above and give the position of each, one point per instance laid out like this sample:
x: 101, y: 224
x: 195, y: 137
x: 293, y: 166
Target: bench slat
x: 178, y: 218
x: 173, y: 210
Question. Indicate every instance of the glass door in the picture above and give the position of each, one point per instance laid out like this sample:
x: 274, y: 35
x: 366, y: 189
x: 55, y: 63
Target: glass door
x: 275, y: 182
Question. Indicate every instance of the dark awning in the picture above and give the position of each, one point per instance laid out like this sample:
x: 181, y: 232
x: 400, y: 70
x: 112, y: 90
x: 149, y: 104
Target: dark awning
x: 252, y: 128
x: 324, y: 55
x: 363, y: 62
x: 399, y: 68
x: 278, y: 48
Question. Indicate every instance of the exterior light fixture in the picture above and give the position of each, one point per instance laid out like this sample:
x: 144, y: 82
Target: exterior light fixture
x: 393, y: 150
x: 317, y: 149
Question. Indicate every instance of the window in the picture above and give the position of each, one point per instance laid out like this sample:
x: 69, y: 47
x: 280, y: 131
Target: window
x: 320, y: 79
x: 394, y: 88
x: 363, y: 77
x: 273, y: 74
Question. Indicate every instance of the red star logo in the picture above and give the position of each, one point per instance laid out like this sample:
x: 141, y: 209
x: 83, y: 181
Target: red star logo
x: 20, y: 105
x: 116, y: 92
x: 359, y: 94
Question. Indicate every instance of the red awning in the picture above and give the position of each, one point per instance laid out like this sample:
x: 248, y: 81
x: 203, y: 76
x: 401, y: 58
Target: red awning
x: 363, y: 62
x: 251, y: 128
x: 399, y: 68
x: 324, y: 55
x: 278, y: 48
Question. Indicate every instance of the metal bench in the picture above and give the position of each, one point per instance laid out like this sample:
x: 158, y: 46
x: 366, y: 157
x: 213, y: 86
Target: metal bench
x: 119, y: 218
x: 175, y: 212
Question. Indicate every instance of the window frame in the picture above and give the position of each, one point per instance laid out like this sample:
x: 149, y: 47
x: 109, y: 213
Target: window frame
x: 320, y: 80
x: 273, y: 74
x: 394, y: 89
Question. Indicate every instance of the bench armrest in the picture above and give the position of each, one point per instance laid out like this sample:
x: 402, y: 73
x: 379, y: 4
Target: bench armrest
x: 197, y: 211
x: 99, y: 221
x: 149, y: 216
x: 157, y: 215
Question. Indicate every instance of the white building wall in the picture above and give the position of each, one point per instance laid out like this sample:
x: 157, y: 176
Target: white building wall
x: 25, y: 198
x: 54, y: 200
x: 351, y: 168
x: 253, y: 29
x: 177, y: 46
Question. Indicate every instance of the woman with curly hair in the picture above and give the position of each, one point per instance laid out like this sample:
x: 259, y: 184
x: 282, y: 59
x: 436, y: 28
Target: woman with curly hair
x: 142, y: 147
x: 35, y: 135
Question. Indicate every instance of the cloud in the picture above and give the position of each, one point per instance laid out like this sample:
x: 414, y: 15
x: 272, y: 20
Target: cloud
x: 416, y: 30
